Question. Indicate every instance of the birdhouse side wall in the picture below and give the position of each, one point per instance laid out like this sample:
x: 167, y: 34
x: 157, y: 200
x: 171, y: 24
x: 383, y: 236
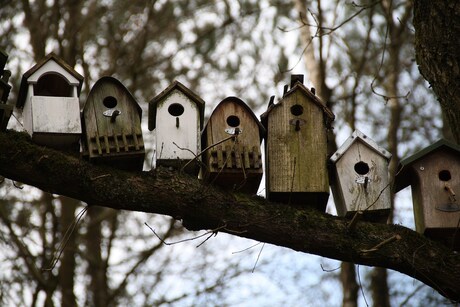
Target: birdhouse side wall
x: 177, y: 137
x: 359, y: 193
x: 297, y: 160
x: 432, y: 192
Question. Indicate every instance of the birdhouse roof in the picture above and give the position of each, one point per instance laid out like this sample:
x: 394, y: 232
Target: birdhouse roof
x: 403, y: 178
x: 245, y: 107
x: 359, y: 136
x: 51, y: 56
x: 176, y: 85
x: 298, y: 86
x: 117, y: 83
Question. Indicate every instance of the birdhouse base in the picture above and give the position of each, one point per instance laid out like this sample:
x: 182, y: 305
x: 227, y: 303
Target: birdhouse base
x: 191, y: 167
x: 60, y: 141
x: 128, y: 162
x: 317, y: 200
x: 450, y: 237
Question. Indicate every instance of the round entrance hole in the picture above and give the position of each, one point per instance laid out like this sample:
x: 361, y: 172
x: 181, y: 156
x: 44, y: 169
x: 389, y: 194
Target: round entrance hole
x: 362, y: 168
x: 110, y: 102
x: 296, y: 110
x: 176, y: 109
x: 444, y: 175
x: 233, y: 121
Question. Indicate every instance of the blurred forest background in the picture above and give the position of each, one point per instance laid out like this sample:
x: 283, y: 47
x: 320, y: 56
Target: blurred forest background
x: 358, y: 55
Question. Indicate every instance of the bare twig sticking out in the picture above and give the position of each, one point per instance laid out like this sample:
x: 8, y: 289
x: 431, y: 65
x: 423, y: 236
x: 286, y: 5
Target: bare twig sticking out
x: 384, y: 242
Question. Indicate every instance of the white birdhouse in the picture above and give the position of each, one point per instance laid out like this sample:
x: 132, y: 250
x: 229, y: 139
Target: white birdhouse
x: 360, y: 178
x: 49, y: 97
x: 176, y: 115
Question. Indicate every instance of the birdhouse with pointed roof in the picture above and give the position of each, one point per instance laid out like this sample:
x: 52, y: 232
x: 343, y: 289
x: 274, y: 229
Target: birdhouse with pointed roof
x: 434, y: 175
x: 5, y: 108
x: 231, y: 139
x: 176, y: 115
x: 296, y: 147
x: 49, y: 99
x: 360, y: 178
x: 112, y: 126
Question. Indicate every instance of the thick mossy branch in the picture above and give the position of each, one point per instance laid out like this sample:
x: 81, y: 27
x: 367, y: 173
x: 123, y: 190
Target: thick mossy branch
x: 202, y: 206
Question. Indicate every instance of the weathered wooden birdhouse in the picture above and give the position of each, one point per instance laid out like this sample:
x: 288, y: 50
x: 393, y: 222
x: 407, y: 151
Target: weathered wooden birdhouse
x: 176, y: 115
x: 434, y: 175
x: 296, y: 147
x: 49, y: 96
x: 5, y: 108
x: 360, y: 178
x: 112, y: 126
x: 232, y: 138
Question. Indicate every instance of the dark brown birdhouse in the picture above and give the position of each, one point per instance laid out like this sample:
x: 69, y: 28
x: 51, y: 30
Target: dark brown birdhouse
x: 176, y: 115
x: 360, y: 178
x: 49, y: 99
x: 231, y: 140
x: 434, y: 175
x: 5, y: 108
x: 112, y: 126
x: 296, y: 147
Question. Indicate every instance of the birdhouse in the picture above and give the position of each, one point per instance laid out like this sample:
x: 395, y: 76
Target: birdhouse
x: 176, y: 115
x: 360, y: 178
x: 49, y: 96
x: 112, y: 126
x: 231, y: 139
x: 296, y: 147
x: 5, y: 108
x: 434, y: 175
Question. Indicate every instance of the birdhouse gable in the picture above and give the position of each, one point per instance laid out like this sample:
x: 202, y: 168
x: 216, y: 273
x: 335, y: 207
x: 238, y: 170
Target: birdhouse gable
x: 358, y: 136
x: 177, y: 97
x: 405, y: 178
x: 52, y: 76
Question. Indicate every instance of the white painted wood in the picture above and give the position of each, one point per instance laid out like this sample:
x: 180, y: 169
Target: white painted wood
x: 187, y: 135
x: 53, y: 67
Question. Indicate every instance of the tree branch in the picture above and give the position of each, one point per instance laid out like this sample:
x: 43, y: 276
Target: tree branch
x: 206, y: 207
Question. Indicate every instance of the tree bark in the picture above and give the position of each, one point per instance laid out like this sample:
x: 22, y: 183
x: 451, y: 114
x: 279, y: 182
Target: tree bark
x: 349, y: 286
x: 437, y: 27
x: 201, y: 206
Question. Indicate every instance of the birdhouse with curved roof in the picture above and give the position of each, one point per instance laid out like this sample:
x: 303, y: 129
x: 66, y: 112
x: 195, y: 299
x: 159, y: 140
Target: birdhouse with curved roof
x: 112, y: 126
x: 49, y: 99
x: 231, y: 140
x: 296, y: 147
x: 360, y: 178
x: 434, y: 175
x: 176, y: 115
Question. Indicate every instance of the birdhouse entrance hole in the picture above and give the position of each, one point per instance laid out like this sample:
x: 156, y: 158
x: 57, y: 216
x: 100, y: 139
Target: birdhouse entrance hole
x: 52, y: 85
x: 444, y: 175
x: 176, y: 109
x: 362, y: 168
x: 110, y: 102
x: 297, y: 110
x: 233, y: 121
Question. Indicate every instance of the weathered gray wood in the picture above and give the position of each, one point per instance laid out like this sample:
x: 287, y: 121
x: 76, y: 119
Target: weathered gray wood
x: 296, y: 148
x: 102, y: 131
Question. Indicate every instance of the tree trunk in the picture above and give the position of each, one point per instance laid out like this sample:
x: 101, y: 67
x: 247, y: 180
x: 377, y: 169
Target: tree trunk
x: 379, y: 288
x: 349, y: 285
x: 437, y: 27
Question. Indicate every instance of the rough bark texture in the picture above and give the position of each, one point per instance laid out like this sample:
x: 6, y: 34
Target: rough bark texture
x: 437, y: 27
x: 202, y: 207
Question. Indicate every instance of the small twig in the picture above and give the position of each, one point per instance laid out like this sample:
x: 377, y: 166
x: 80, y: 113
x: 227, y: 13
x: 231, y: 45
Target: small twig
x: 99, y: 177
x: 326, y: 270
x: 17, y: 186
x: 247, y: 248
x: 212, y: 232
x: 384, y: 242
x: 358, y: 215
x: 258, y: 256
x: 41, y: 158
